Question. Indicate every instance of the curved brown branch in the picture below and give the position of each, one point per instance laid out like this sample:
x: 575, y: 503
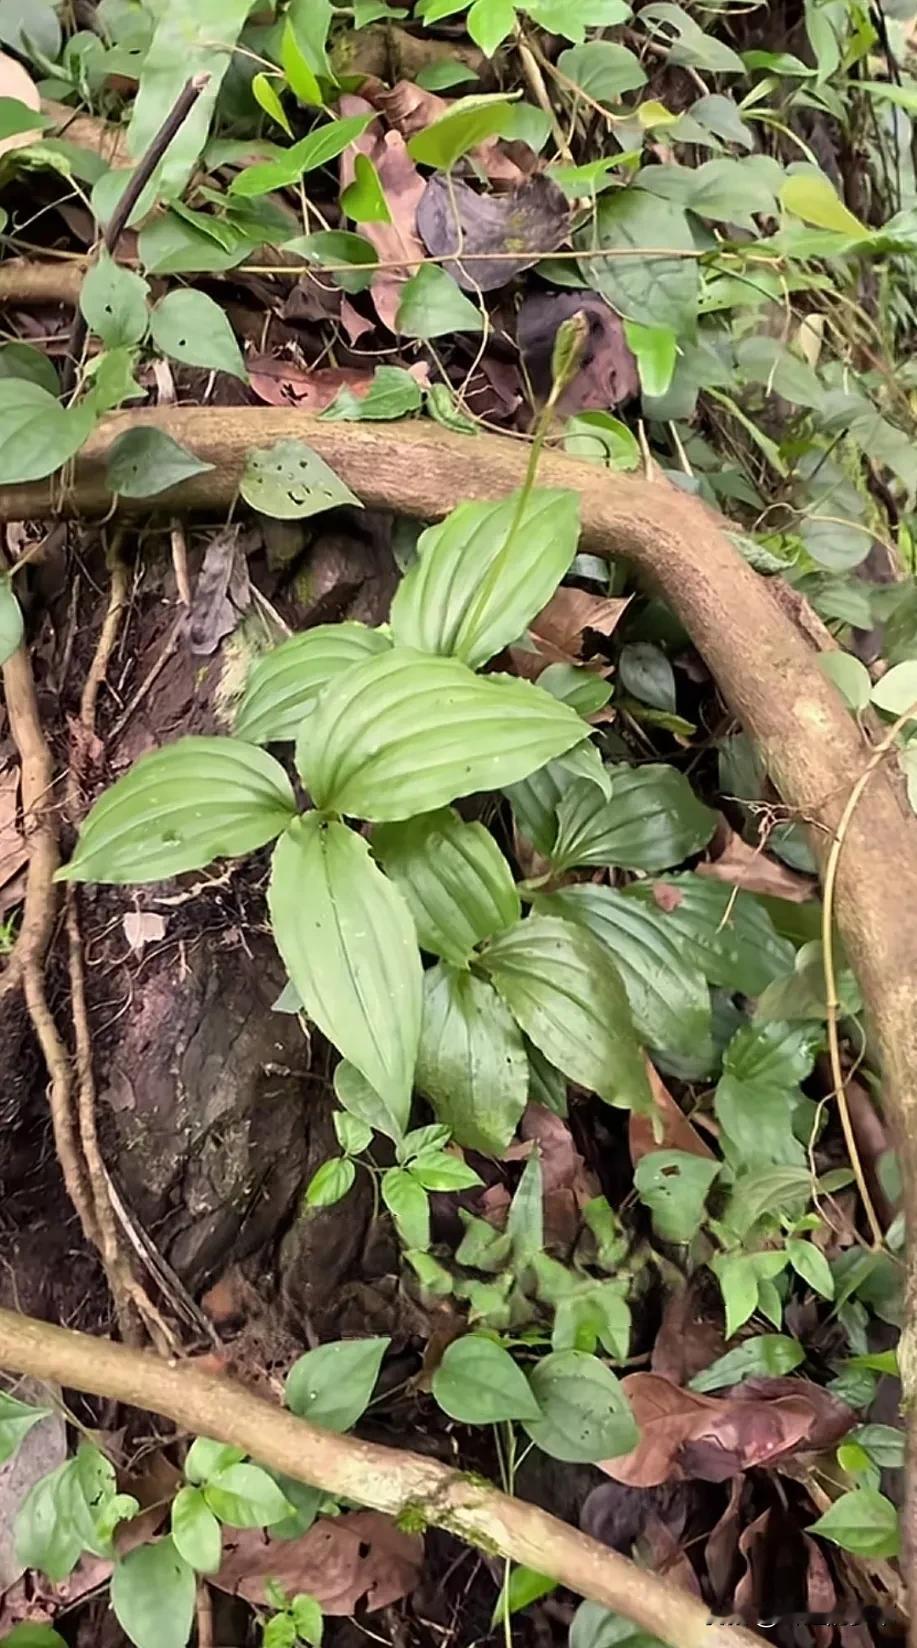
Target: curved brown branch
x: 27, y: 280
x: 387, y: 1479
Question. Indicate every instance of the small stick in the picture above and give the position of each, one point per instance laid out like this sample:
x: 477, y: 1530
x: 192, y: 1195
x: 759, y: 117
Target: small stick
x: 118, y: 221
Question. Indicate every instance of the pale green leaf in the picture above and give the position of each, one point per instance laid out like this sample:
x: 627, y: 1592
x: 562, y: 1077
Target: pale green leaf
x: 471, y: 1062
x: 810, y: 196
x: 245, y: 1496
x: 896, y: 691
x: 363, y: 1102
x: 265, y: 94
x: 290, y: 482
x: 863, y: 1521
x: 195, y: 1531
x: 556, y: 981
x: 37, y: 434
x: 307, y: 1617
x: 332, y: 1385
x: 603, y: 70
x: 349, y: 946
x: 299, y: 72
x: 205, y: 1457
x: 489, y: 22
x: 353, y: 1135
x: 810, y: 1263
x: 689, y: 43
x: 483, y: 573
x: 314, y: 150
x: 597, y: 1627
x: 572, y: 18
x: 655, y: 348
x: 524, y: 1586
x: 603, y: 439
x: 478, y: 1383
x: 284, y: 685
x: 441, y: 74
x: 181, y: 807
x: 16, y: 1420
x: 23, y: 361
x: 585, y: 1415
x: 851, y: 678
x: 432, y: 304
x: 407, y: 1202
x: 674, y: 1185
x: 403, y: 733
x: 770, y: 1354
x: 454, y: 878
x: 189, y: 327
x: 114, y: 302
x: 393, y: 393
x: 11, y: 626
x: 656, y: 290
x: 364, y: 200
x: 142, y: 462
x: 331, y: 1182
x: 153, y: 1591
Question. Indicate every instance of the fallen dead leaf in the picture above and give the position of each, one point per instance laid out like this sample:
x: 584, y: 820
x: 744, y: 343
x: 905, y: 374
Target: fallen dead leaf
x: 361, y: 1559
x: 752, y: 1601
x: 143, y: 927
x: 532, y: 218
x: 280, y: 383
x: 569, y: 613
x: 13, y: 850
x: 222, y: 593
x: 608, y: 371
x: 722, y: 1546
x: 751, y: 869
x: 354, y: 324
x: 666, y: 1555
x: 403, y: 187
x: 691, y: 1332
x: 685, y: 1435
x: 675, y: 1131
x: 16, y: 83
x: 567, y: 1183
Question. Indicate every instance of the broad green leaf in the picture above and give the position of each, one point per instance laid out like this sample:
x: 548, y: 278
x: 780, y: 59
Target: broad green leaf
x: 441, y: 74
x: 471, y: 1062
x: 524, y: 1586
x: 29, y: 1635
x: 674, y: 1185
x: 245, y: 1496
x: 170, y: 245
x: 756, y: 1120
x: 406, y: 1200
x: 731, y: 937
x: 666, y: 989
x: 689, y: 43
x: 11, y: 626
x: 454, y: 879
x: 641, y: 284
x: 16, y: 1420
x: 653, y: 820
x: 284, y: 685
x: 114, y: 303
x: 772, y: 1054
x: 775, y: 1190
x: 307, y: 1617
x: 364, y: 1103
x: 195, y: 1531
x: 644, y: 671
x: 810, y: 196
x: 17, y: 117
x: 349, y: 946
x: 810, y: 1263
x: 311, y: 20
x: 206, y: 1457
x: 265, y: 94
x: 189, y: 327
x: 602, y: 69
x: 37, y: 434
x: 443, y: 1170
x: 556, y: 981
x: 771, y: 1354
x: 896, y: 691
x: 851, y: 678
x: 885, y: 1444
x: 46, y: 1538
x: 597, y: 1627
x: 403, y: 733
x: 585, y: 1415
x: 331, y: 1182
x: 181, y: 807
x: 331, y: 1386
x: 489, y: 22
x: 353, y: 1135
x: 364, y: 200
x: 289, y: 482
x: 393, y: 393
x: 142, y: 462
x: 572, y: 18
x: 603, y: 439
x: 335, y: 250
x: 432, y: 304
x: 484, y: 573
x: 316, y: 149
x: 23, y: 361
x: 577, y: 686
x: 468, y: 122
x: 153, y: 1591
x: 280, y: 1632
x: 740, y: 1276
x: 478, y: 1383
x: 863, y: 1521
x: 656, y: 351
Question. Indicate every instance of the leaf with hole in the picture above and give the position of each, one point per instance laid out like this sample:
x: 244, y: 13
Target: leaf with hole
x: 332, y: 1385
x: 153, y: 1591
x: 195, y: 1531
x: 483, y: 574
x: 471, y: 1062
x: 432, y: 304
x: 284, y: 685
x: 189, y: 327
x: 114, y: 303
x: 478, y: 1383
x: 674, y: 1185
x: 37, y: 434
x: 404, y: 733
x: 143, y: 462
x: 454, y: 878
x: 585, y: 1415
x: 181, y: 807
x: 556, y: 981
x: 290, y: 482
x: 348, y: 942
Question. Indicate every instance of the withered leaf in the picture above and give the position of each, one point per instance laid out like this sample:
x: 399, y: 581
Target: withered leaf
x: 361, y: 1559
x: 531, y: 219
x: 751, y: 869
x: 403, y: 187
x: 676, y: 1132
x: 608, y: 371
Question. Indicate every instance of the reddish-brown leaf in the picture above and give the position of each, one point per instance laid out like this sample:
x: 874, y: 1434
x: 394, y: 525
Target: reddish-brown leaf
x: 402, y: 186
x: 361, y: 1559
x: 608, y: 371
x: 751, y: 869
x: 666, y: 898
x: 570, y: 612
x: 674, y: 1130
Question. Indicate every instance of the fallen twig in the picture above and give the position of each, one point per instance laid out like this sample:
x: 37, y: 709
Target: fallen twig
x: 386, y: 1479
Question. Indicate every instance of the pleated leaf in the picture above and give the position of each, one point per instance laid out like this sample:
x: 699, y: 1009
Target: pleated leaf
x: 403, y: 733
x: 348, y: 943
x: 653, y: 820
x: 457, y: 884
x: 471, y: 1063
x: 731, y: 936
x: 181, y: 807
x: 284, y: 685
x: 559, y: 984
x: 478, y: 580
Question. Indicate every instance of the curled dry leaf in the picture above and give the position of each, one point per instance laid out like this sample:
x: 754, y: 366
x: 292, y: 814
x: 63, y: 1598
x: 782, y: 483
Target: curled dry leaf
x: 691, y: 1333
x: 685, y: 1435
x: 533, y: 219
x: 403, y: 187
x: 345, y: 1562
x: 222, y: 593
x: 562, y: 624
x: 752, y: 870
x: 751, y: 1600
x: 608, y: 371
x: 17, y: 84
x: 677, y: 1133
x: 280, y: 383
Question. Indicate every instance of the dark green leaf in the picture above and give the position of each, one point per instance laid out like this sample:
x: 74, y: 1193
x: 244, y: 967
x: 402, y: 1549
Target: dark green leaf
x: 478, y: 1383
x: 284, y: 685
x: 645, y: 672
x: 454, y: 878
x: 771, y: 1354
x: 332, y: 1385
x: 653, y: 820
x: 23, y: 361
x: 181, y: 807
x: 772, y: 1054
x: 37, y: 434
x: 863, y: 1521
x: 471, y: 1063
x: 153, y: 1592
x: 29, y: 1635
x: 114, y: 303
x: 348, y: 943
x: 142, y: 462
x: 329, y: 248
x: 524, y: 1586
x: 674, y: 1185
x: 654, y: 290
x: 731, y: 936
x: 432, y: 304
x: 557, y: 982
x: 189, y: 327
x: 585, y: 1416
x: 289, y: 481
x: 195, y: 1531
x: 574, y: 685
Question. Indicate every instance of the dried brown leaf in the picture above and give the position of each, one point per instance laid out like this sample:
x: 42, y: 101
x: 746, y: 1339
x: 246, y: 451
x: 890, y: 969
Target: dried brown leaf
x: 13, y: 850
x: 569, y: 613
x: 608, y: 371
x: 531, y: 219
x: 143, y: 927
x: 674, y: 1130
x: 222, y: 593
x: 358, y: 1560
x: 752, y: 870
x: 691, y: 1333
x: 280, y: 383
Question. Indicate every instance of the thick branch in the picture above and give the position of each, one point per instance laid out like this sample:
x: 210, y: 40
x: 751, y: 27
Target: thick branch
x: 386, y: 1479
